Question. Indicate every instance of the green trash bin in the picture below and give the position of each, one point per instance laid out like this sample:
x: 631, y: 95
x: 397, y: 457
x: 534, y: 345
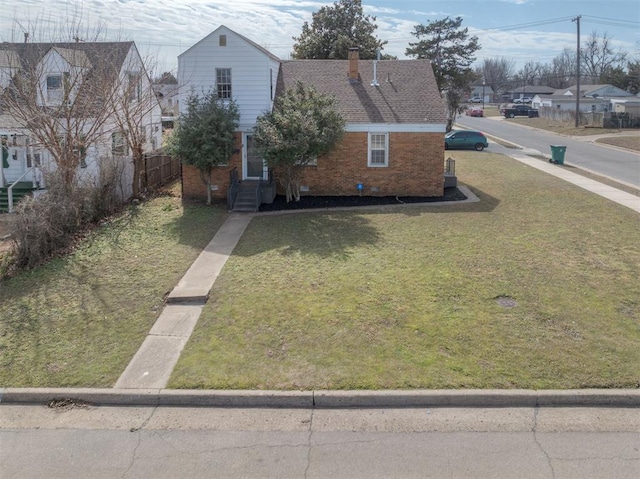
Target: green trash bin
x: 557, y: 154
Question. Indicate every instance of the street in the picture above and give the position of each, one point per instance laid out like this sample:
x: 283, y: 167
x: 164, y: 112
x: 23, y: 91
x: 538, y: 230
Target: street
x: 96, y: 442
x: 622, y: 165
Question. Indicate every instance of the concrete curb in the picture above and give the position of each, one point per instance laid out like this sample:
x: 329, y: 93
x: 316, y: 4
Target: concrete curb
x: 478, y: 398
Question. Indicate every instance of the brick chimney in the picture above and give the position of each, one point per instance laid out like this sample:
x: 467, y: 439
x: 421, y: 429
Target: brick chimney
x: 354, y: 75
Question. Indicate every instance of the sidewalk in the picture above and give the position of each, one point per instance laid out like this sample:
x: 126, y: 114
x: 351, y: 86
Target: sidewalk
x: 144, y: 380
x: 618, y: 196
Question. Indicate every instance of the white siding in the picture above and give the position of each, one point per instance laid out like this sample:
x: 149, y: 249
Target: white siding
x: 53, y: 63
x: 250, y: 73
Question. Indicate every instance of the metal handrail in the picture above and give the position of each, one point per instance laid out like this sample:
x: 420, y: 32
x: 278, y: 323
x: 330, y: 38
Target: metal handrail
x: 232, y: 191
x: 258, y: 198
x: 10, y: 188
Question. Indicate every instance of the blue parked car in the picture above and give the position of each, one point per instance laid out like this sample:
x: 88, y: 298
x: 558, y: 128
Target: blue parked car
x: 463, y: 139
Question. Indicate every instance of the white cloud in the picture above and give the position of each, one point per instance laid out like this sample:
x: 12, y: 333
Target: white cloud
x: 168, y: 27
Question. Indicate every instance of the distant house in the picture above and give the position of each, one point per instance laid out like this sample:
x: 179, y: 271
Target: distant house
x: 166, y: 91
x: 527, y: 91
x: 72, y: 83
x: 395, y: 117
x: 483, y: 93
x: 593, y: 98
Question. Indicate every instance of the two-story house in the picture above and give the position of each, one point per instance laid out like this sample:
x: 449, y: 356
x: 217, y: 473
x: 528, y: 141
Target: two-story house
x: 88, y: 107
x: 395, y: 116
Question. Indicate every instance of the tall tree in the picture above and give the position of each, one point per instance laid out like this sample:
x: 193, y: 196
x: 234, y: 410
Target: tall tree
x: 451, y: 51
x: 633, y: 77
x: 334, y: 29
x: 497, y: 72
x: 598, y: 58
x: 529, y: 74
x: 133, y: 105
x: 561, y: 72
x: 205, y: 136
x: 303, y: 126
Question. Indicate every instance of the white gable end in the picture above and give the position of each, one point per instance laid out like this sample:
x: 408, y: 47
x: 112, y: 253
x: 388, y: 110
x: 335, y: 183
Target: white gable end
x: 60, y: 75
x: 249, y: 72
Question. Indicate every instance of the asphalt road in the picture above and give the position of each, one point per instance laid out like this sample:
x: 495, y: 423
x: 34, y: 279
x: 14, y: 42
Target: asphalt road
x: 622, y: 165
x: 36, y: 442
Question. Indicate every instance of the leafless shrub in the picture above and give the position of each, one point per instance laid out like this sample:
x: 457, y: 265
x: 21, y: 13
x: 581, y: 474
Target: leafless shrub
x: 48, y: 223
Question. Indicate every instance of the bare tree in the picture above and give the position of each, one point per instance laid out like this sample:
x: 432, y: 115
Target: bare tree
x: 561, y: 72
x: 47, y: 95
x: 133, y: 107
x: 529, y: 74
x: 599, y: 58
x: 79, y: 99
x: 496, y: 72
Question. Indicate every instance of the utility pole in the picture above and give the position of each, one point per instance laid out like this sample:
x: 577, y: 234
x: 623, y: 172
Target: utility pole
x: 577, y: 20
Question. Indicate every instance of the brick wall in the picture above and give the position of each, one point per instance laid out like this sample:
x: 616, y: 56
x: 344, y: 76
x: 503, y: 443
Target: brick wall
x: 194, y: 188
x: 416, y: 168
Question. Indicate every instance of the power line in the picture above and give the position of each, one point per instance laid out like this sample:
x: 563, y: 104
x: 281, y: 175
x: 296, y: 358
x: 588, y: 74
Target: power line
x: 630, y: 23
x: 530, y: 24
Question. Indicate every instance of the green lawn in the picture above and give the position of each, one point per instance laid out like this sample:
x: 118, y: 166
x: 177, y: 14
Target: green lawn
x: 78, y: 320
x: 408, y: 298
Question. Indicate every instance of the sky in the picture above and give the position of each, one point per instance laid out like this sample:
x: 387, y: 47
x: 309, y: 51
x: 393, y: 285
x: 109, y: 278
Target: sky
x: 520, y: 30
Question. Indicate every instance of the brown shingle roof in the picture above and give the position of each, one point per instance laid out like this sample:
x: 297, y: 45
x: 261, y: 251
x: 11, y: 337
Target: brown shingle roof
x: 112, y: 53
x: 407, y: 91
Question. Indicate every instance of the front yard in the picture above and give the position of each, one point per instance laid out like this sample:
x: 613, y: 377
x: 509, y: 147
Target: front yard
x: 78, y: 320
x: 534, y: 287
x: 420, y: 297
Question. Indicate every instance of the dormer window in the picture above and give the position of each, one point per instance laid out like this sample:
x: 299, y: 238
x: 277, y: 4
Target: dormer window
x: 57, y: 87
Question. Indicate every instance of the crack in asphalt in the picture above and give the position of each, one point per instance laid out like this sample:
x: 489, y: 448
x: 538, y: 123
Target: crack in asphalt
x: 306, y: 469
x: 137, y: 431
x: 534, y: 430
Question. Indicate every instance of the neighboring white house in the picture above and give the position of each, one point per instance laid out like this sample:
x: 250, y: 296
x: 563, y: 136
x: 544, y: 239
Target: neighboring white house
x: 239, y: 69
x: 83, y: 86
x: 166, y: 91
x: 482, y: 93
x: 593, y: 98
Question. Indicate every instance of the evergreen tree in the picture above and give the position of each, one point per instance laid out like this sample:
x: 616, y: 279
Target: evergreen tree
x: 334, y: 30
x: 205, y: 136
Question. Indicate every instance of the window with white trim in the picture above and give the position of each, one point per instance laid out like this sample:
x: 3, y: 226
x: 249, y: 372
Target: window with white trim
x: 378, y: 149
x: 223, y: 83
x: 134, y: 85
x: 119, y: 145
x: 57, y: 87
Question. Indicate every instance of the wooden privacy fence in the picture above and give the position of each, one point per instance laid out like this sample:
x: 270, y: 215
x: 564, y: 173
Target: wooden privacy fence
x: 160, y: 170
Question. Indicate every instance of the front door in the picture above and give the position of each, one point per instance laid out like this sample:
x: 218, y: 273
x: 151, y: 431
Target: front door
x: 12, y: 160
x: 253, y: 167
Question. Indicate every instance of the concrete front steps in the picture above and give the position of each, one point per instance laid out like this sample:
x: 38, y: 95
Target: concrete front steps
x: 246, y: 198
x: 20, y: 190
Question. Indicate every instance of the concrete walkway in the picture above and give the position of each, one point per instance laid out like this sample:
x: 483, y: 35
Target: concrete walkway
x: 152, y: 365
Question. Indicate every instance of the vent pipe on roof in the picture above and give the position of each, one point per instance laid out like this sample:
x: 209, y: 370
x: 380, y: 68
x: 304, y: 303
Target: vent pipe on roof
x: 26, y: 37
x: 375, y: 69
